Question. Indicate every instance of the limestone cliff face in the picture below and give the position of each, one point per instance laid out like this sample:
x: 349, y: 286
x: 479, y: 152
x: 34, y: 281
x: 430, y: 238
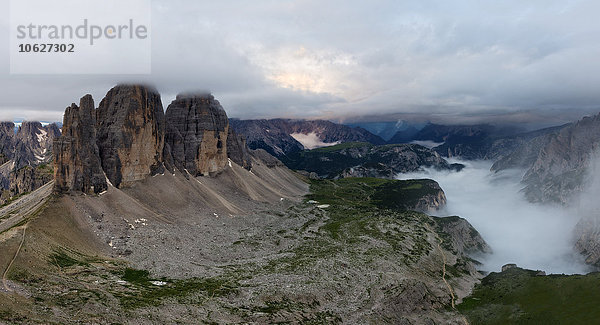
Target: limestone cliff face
x: 587, y: 233
x: 28, y: 179
x: 462, y: 236
x: 558, y: 170
x: 130, y: 126
x: 29, y: 145
x: 76, y: 158
x: 128, y: 138
x: 197, y: 130
x: 237, y: 150
x: 33, y: 144
x: 558, y: 165
x: 7, y: 138
x: 432, y: 202
x: 25, y: 154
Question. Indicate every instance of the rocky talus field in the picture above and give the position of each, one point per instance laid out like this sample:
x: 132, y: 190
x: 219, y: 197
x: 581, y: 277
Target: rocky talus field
x: 334, y: 256
x: 135, y: 215
x: 172, y: 219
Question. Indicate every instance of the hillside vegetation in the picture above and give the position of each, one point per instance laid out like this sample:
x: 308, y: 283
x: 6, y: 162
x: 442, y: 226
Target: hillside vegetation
x: 518, y: 296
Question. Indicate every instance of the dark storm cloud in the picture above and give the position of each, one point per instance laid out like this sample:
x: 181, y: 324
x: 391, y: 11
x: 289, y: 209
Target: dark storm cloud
x: 459, y: 61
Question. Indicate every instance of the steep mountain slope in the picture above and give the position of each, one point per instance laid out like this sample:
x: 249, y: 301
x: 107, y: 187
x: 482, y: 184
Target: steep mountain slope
x: 172, y: 248
x: 197, y: 134
x: 130, y: 133
x: 239, y: 245
x: 474, y: 141
x: 518, y: 296
x: 402, y: 130
x: 358, y: 159
x: 558, y: 170
x: 25, y: 156
x: 6, y: 140
x: 404, y: 136
x: 556, y: 160
x: 522, y: 149
x: 128, y: 138
x: 281, y: 136
x: 467, y: 141
x: 77, y: 163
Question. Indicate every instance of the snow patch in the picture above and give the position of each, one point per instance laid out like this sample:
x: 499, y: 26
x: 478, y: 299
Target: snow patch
x: 158, y: 283
x: 323, y: 206
x: 108, y: 180
x: 311, y: 140
x: 42, y: 136
x: 229, y: 161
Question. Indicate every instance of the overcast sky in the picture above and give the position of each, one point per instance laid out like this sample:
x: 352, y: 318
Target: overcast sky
x: 447, y: 61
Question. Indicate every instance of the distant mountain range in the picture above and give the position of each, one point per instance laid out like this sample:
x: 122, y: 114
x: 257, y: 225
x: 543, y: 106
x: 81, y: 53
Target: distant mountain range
x: 361, y: 159
x: 164, y: 209
x: 25, y: 157
x: 280, y: 137
x: 153, y: 214
x: 387, y: 130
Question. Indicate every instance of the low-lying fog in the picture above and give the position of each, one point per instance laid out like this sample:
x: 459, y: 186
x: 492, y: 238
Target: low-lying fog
x: 533, y: 236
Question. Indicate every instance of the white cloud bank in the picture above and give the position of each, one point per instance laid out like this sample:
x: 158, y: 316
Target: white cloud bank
x: 533, y: 236
x: 442, y: 60
x: 311, y: 140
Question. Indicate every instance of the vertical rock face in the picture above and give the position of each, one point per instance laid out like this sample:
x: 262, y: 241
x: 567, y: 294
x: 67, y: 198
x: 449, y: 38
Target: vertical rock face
x: 29, y: 178
x: 24, y: 156
x: 128, y: 138
x: 463, y: 237
x: 33, y: 144
x: 587, y: 232
x: 29, y: 145
x: 558, y: 172
x: 131, y: 128
x: 76, y: 158
x: 237, y: 150
x: 7, y: 138
x: 197, y: 134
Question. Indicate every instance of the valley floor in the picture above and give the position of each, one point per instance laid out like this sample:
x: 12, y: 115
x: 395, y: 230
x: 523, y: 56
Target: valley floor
x: 140, y: 256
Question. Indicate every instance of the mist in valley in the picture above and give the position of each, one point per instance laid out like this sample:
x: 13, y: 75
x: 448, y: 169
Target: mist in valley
x: 534, y: 236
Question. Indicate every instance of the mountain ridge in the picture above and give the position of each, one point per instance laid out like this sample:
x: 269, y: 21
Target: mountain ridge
x: 275, y: 135
x: 128, y: 138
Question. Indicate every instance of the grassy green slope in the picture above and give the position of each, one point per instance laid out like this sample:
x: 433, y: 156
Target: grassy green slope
x: 519, y: 296
x: 372, y: 192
